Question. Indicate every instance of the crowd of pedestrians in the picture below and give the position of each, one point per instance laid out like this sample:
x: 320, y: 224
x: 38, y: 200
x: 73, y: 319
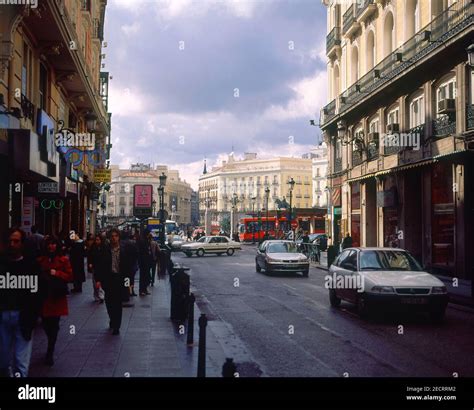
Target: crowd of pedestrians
x: 46, y: 266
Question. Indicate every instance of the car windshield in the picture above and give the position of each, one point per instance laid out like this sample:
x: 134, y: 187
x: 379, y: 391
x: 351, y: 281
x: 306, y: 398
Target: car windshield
x: 282, y: 247
x: 204, y: 239
x: 388, y: 260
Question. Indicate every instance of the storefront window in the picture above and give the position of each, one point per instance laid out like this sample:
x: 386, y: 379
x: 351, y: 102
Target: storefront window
x: 355, y: 213
x: 390, y: 214
x: 443, y: 220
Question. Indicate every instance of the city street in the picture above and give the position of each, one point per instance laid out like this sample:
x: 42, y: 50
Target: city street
x: 284, y: 326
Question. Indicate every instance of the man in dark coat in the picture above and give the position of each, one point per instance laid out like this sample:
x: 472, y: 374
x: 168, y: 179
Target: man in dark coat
x: 113, y: 267
x: 19, y: 306
x: 347, y: 241
x: 145, y: 261
x: 77, y: 256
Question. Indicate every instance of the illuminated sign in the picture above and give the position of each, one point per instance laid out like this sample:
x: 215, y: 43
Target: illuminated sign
x: 142, y: 200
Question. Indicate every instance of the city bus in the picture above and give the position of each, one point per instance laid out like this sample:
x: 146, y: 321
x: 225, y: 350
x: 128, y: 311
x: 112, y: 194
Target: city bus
x: 253, y: 228
x: 154, y: 226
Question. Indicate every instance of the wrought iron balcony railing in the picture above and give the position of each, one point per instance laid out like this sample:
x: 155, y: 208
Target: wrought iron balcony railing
x: 365, y: 8
x: 338, y: 164
x: 356, y: 158
x: 372, y: 151
x: 432, y: 37
x: 348, y: 19
x: 328, y: 112
x: 444, y: 125
x: 333, y: 39
x: 469, y: 117
x: 28, y: 108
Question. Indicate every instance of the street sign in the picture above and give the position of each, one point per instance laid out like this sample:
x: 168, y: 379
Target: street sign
x: 48, y: 188
x: 102, y: 175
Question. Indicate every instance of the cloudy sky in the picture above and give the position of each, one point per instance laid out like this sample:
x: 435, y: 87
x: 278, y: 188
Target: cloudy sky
x: 198, y: 78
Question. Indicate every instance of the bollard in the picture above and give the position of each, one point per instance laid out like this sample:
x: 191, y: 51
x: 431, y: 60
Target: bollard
x: 202, y: 346
x: 180, y: 283
x: 190, y: 340
x: 229, y: 368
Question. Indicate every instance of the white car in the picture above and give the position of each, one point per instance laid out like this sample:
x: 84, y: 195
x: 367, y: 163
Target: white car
x: 281, y: 256
x: 388, y: 278
x: 210, y: 244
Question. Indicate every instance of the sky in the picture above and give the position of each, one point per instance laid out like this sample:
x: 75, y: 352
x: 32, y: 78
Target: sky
x: 195, y: 79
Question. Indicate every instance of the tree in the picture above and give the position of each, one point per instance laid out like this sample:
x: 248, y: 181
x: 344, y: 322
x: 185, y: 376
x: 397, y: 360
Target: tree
x: 225, y: 223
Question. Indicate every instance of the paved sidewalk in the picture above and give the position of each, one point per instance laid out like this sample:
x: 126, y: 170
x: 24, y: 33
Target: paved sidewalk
x: 149, y: 344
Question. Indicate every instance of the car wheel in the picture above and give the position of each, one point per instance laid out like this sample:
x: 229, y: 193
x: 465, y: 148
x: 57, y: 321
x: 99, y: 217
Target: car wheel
x: 333, y: 299
x: 437, y: 316
x: 362, y: 308
x: 230, y: 252
x: 200, y: 252
x: 305, y: 273
x: 257, y: 267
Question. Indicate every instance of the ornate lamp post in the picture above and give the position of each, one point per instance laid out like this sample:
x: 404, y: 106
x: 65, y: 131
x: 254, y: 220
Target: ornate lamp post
x: 267, y: 195
x: 161, y: 191
x: 253, y: 199
x: 234, y: 202
x: 291, y: 184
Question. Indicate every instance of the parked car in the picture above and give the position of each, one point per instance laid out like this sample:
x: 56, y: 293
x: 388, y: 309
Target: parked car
x: 387, y: 278
x: 281, y: 256
x: 211, y: 244
x: 176, y: 243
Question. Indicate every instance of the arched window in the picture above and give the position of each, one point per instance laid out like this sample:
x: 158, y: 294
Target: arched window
x: 354, y: 65
x: 370, y: 53
x: 416, y: 110
x: 388, y: 34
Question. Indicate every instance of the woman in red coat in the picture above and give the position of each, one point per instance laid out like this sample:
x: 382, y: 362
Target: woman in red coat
x: 56, y: 272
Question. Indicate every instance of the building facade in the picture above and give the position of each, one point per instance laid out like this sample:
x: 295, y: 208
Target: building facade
x: 400, y: 128
x: 50, y: 79
x: 319, y: 162
x: 177, y: 194
x: 247, y: 179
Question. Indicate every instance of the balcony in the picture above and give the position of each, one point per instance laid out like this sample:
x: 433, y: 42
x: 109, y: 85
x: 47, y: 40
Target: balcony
x: 356, y: 158
x: 372, y: 151
x: 349, y: 22
x: 338, y: 164
x: 444, y: 126
x: 469, y: 117
x: 328, y: 112
x: 428, y: 40
x: 28, y: 108
x: 364, y: 9
x: 333, y: 41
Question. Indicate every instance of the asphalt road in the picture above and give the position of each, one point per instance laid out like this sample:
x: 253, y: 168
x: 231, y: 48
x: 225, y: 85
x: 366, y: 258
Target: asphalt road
x: 284, y: 326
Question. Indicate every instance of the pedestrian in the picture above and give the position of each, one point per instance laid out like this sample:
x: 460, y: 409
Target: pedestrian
x: 19, y: 308
x: 56, y: 271
x: 35, y: 241
x: 347, y: 241
x: 94, y: 259
x: 155, y: 253
x: 112, y: 268
x: 77, y: 255
x: 144, y: 262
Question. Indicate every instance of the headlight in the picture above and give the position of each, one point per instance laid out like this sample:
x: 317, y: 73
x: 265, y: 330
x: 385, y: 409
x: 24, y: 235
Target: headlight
x: 383, y: 289
x: 439, y: 290
x: 271, y: 260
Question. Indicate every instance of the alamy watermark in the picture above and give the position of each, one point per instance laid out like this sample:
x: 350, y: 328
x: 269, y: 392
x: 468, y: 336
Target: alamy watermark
x: 402, y: 139
x: 355, y: 282
x: 32, y: 3
x: 66, y: 138
x: 27, y: 282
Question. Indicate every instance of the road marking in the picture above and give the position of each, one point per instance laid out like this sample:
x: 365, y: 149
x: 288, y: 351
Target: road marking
x: 288, y: 286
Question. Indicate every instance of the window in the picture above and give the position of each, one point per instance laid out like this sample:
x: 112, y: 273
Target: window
x: 446, y: 91
x: 392, y: 117
x: 43, y: 88
x: 417, y: 112
x: 317, y: 172
x: 374, y: 126
x: 342, y: 257
x: 26, y: 71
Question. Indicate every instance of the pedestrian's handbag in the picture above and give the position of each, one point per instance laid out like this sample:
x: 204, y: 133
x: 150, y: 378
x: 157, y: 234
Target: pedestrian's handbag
x: 57, y: 287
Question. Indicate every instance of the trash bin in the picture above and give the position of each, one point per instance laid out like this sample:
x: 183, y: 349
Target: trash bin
x: 333, y: 251
x: 180, y: 284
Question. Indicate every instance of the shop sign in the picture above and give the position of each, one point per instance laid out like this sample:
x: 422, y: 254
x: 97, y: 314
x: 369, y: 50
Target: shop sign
x: 71, y: 186
x: 142, y: 201
x: 48, y: 188
x: 102, y: 175
x: 27, y: 213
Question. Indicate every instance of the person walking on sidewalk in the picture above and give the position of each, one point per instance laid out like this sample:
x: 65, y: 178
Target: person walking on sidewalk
x: 77, y: 255
x: 93, y: 257
x: 144, y: 261
x: 347, y: 241
x: 112, y: 267
x: 57, y: 273
x: 155, y: 254
x: 19, y: 308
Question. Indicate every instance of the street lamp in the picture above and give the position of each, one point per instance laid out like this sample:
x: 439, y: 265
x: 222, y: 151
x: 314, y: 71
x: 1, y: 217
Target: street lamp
x: 267, y: 195
x: 291, y: 184
x: 161, y: 190
x: 91, y: 121
x: 234, y: 202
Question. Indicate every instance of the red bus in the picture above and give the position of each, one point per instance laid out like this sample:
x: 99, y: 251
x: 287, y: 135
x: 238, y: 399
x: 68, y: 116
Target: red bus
x: 253, y: 228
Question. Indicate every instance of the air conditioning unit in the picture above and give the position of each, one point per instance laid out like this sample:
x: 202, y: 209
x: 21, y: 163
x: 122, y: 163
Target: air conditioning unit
x: 373, y: 136
x: 446, y: 106
x: 393, y: 128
